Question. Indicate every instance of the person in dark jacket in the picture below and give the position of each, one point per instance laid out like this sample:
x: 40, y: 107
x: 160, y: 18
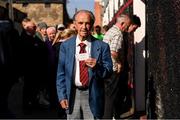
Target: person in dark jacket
x: 8, y: 63
x: 34, y: 67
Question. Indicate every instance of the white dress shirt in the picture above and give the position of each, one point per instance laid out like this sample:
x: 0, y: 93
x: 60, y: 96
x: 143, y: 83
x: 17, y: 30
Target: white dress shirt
x: 76, y: 68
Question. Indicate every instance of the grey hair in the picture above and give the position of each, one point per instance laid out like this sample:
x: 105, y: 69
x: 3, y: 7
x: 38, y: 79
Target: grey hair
x: 85, y: 11
x: 122, y: 18
x: 51, y: 28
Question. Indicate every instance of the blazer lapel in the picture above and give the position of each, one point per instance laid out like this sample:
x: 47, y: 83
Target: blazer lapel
x: 95, y: 52
x: 71, y: 54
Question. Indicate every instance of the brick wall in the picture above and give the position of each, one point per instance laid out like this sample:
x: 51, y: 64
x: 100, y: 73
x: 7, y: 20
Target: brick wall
x: 97, y: 13
x: 163, y: 36
x: 52, y: 15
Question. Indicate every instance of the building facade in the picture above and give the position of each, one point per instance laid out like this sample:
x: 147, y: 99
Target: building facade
x: 112, y: 8
x: 52, y: 12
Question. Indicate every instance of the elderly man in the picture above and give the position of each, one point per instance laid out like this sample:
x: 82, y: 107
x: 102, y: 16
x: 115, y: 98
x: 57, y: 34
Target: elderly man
x: 51, y: 33
x: 114, y: 37
x: 84, y: 64
x: 114, y: 88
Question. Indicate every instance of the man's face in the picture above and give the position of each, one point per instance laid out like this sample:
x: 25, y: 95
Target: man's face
x: 126, y: 25
x: 43, y: 32
x: 30, y: 28
x: 51, y: 34
x: 132, y: 28
x: 83, y: 25
x: 98, y: 30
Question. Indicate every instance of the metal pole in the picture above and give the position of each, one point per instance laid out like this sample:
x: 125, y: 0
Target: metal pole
x: 11, y: 12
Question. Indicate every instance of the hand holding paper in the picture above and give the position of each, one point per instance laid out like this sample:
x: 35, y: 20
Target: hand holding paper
x: 91, y: 62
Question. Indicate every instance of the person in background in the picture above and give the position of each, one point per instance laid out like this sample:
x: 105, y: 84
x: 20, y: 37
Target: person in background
x: 51, y: 33
x: 24, y: 25
x: 135, y: 23
x: 9, y: 67
x: 70, y: 25
x: 83, y: 65
x: 46, y: 95
x: 124, y: 101
x: 105, y: 29
x: 24, y: 22
x: 63, y: 36
x: 50, y: 89
x: 114, y: 37
x: 60, y: 37
x: 60, y: 27
x: 98, y: 34
x: 41, y: 32
x: 34, y: 67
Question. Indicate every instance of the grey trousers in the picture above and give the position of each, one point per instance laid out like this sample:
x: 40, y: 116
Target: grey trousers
x: 81, y: 108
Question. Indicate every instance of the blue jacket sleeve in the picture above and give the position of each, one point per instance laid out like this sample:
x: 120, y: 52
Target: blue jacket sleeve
x: 60, y: 80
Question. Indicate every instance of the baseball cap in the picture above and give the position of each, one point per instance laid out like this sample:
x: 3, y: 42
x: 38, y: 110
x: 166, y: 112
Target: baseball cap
x: 60, y: 26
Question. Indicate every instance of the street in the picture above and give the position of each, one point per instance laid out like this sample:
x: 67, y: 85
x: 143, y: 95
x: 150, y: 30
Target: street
x: 15, y: 105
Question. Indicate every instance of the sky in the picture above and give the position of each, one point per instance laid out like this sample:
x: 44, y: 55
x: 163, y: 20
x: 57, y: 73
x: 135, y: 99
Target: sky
x: 79, y: 4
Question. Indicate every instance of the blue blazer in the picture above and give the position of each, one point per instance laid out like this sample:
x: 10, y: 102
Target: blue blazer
x: 65, y: 80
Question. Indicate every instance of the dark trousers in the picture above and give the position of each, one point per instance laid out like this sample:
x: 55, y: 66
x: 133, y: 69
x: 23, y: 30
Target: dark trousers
x: 30, y: 91
x: 5, y: 88
x: 111, y: 92
x: 115, y: 91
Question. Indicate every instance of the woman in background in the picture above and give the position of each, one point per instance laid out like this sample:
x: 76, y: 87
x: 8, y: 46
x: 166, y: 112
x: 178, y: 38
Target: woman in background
x: 61, y: 37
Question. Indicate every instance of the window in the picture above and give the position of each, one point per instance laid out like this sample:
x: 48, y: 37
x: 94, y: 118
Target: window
x: 25, y: 4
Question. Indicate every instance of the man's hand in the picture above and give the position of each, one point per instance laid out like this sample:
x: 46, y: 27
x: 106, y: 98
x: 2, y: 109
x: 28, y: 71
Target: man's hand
x: 114, y: 55
x: 64, y: 104
x: 90, y: 62
x: 119, y: 67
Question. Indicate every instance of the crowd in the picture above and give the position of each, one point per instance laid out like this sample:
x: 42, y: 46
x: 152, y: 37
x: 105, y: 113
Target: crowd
x: 78, y: 72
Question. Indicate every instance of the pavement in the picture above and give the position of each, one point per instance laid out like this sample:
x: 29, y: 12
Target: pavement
x: 16, y: 107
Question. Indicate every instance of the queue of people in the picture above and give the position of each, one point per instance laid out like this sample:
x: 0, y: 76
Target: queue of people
x: 39, y: 61
x: 79, y: 73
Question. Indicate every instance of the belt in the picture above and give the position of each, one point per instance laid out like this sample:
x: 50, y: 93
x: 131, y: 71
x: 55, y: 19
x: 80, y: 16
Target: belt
x: 81, y: 88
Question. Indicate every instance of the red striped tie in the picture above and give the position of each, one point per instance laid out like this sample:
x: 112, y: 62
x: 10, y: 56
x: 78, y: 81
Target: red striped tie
x: 83, y: 68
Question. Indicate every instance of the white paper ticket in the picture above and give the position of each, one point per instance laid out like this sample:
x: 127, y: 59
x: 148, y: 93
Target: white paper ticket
x: 82, y: 56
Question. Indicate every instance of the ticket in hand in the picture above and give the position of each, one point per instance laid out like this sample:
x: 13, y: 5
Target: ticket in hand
x: 82, y: 56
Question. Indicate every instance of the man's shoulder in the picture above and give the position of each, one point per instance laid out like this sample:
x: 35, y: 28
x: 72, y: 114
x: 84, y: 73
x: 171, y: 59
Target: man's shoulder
x: 113, y: 31
x: 100, y: 42
x: 68, y: 41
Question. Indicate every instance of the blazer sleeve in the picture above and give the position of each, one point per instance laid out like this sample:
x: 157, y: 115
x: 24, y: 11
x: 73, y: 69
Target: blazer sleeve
x: 60, y: 80
x: 104, y: 66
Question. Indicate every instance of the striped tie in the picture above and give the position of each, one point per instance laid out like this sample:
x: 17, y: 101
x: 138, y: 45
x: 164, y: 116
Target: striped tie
x: 83, y: 68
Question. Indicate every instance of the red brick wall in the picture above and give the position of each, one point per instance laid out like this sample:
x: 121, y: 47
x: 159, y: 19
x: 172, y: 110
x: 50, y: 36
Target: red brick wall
x: 97, y: 13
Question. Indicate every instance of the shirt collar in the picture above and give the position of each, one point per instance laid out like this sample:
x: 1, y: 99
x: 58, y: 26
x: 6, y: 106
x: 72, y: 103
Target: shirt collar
x: 85, y: 41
